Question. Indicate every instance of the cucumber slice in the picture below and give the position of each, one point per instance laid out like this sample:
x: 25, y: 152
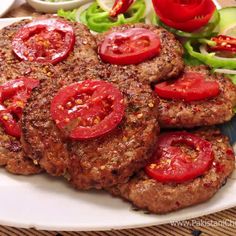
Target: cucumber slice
x: 227, y: 25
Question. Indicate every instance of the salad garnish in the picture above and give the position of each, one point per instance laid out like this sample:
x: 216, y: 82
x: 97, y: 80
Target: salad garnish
x: 208, y: 34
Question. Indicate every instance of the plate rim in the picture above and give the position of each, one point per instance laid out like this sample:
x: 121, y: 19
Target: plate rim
x: 8, y: 6
x: 101, y: 228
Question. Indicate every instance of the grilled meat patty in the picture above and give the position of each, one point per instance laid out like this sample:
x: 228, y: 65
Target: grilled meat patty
x: 42, y: 140
x: 100, y: 162
x: 147, y: 193
x: 12, y: 155
x: 11, y: 67
x: 84, y: 42
x: 111, y: 159
x: 167, y: 64
x: 217, y: 110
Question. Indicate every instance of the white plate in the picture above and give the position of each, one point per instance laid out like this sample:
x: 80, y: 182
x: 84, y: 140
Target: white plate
x: 53, y: 7
x: 49, y: 203
x: 5, y: 5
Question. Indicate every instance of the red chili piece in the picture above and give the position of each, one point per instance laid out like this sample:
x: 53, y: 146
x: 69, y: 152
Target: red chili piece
x: 120, y: 6
x: 13, y: 96
x: 224, y: 43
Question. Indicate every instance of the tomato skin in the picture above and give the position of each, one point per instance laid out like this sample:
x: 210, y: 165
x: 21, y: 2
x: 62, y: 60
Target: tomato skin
x: 131, y: 46
x: 44, y: 40
x: 17, y: 91
x: 190, y: 87
x: 100, y: 109
x: 224, y: 43
x: 120, y: 6
x: 171, y: 165
x: 178, y: 11
x: 187, y: 17
x: 11, y: 127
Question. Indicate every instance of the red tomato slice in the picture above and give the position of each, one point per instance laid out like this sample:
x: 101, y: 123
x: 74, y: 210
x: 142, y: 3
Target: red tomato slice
x: 187, y: 16
x: 120, y: 6
x: 88, y: 109
x: 13, y: 96
x: 191, y: 86
x: 131, y: 46
x: 180, y: 157
x: 181, y: 10
x: 224, y: 43
x: 44, y: 40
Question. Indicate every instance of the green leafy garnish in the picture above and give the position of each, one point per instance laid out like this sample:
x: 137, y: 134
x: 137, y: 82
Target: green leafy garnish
x: 69, y: 15
x: 191, y: 61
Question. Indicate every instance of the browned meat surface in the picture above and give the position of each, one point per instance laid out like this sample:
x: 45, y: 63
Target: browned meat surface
x: 217, y: 110
x: 28, y: 69
x: 99, y: 162
x: 147, y: 193
x: 12, y: 156
x: 84, y: 44
x: 108, y: 160
x: 11, y: 67
x: 41, y: 137
x: 167, y: 64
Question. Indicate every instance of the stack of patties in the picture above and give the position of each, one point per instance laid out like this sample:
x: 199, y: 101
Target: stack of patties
x: 97, y: 131
x: 187, y: 167
x: 87, y: 111
x: 33, y: 51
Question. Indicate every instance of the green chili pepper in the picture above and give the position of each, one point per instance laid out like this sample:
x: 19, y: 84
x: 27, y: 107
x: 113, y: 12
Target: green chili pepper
x: 82, y: 17
x: 189, y: 60
x: 207, y: 31
x: 207, y: 41
x: 100, y: 21
x: 210, y: 58
x: 93, y: 10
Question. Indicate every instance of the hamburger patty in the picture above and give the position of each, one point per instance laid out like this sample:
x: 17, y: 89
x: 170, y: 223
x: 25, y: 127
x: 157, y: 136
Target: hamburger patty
x: 12, y: 155
x: 217, y: 110
x: 99, y: 162
x: 147, y: 193
x: 85, y: 45
x: 11, y: 67
x: 167, y: 64
x: 111, y: 159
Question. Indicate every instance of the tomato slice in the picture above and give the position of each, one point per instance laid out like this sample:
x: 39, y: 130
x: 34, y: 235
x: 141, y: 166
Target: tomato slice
x: 131, y: 46
x: 191, y: 86
x: 120, y: 6
x: 189, y: 15
x: 180, y: 157
x: 181, y: 10
x: 44, y: 40
x: 224, y: 43
x: 87, y: 109
x: 13, y: 96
